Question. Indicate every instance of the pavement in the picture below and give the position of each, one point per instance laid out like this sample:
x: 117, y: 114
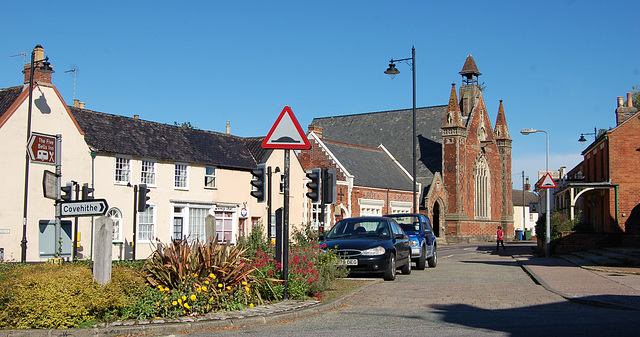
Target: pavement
x: 604, y: 287
x: 613, y: 287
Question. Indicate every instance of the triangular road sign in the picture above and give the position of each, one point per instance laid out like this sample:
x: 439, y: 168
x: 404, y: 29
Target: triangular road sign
x: 286, y: 133
x: 547, y: 182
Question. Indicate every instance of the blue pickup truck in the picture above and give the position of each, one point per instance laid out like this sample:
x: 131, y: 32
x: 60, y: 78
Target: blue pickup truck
x: 423, y: 241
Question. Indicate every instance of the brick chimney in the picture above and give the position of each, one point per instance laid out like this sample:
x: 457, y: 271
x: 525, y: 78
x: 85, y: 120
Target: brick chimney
x: 625, y: 112
x: 42, y: 68
x: 317, y: 129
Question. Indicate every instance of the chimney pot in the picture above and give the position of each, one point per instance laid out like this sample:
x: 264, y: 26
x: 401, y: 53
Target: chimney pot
x: 228, y: 127
x: 136, y: 116
x: 629, y: 100
x: 620, y: 101
x: 81, y: 105
x: 76, y: 103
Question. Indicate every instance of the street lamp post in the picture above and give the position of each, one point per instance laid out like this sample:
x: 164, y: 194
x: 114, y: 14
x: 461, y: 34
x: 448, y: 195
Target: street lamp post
x: 595, y: 136
x: 392, y: 72
x: 548, y: 207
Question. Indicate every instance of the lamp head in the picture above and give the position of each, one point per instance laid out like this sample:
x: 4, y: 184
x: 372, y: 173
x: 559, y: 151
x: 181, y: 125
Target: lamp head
x: 528, y: 131
x: 392, y: 71
x: 582, y: 139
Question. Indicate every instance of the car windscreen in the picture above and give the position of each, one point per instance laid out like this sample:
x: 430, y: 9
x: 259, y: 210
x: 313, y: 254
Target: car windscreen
x: 408, y: 223
x: 358, y: 228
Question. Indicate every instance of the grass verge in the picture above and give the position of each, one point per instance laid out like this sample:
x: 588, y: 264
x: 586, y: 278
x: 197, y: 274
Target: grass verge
x: 341, y: 287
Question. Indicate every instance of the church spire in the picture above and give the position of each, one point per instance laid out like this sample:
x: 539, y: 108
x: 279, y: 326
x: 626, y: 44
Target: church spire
x: 501, y: 131
x: 453, y: 110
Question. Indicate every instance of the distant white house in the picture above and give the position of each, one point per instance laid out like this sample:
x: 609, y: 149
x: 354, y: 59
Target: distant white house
x: 525, y: 210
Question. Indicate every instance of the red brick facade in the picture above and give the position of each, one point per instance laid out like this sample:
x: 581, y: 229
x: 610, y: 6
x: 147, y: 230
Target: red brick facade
x: 615, y: 158
x: 476, y: 168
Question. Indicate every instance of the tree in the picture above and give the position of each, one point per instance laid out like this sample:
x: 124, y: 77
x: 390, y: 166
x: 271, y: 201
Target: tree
x: 635, y: 96
x: 186, y: 125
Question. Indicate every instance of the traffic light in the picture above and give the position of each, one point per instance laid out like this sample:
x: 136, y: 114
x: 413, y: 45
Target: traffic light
x: 314, y: 184
x: 143, y: 197
x: 258, y: 182
x: 329, y: 192
x: 86, y: 191
x: 66, y: 192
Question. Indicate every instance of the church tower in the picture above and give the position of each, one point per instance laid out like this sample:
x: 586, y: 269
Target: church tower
x: 503, y: 141
x: 470, y: 89
x: 454, y: 134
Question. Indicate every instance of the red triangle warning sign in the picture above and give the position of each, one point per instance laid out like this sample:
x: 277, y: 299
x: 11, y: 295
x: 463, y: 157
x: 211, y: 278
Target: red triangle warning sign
x: 547, y: 182
x: 286, y: 133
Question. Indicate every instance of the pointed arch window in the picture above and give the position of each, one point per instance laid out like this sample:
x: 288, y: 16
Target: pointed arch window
x: 482, y: 179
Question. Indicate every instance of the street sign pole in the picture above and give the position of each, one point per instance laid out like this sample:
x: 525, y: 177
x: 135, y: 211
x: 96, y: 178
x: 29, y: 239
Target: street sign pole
x: 285, y: 227
x: 59, y: 183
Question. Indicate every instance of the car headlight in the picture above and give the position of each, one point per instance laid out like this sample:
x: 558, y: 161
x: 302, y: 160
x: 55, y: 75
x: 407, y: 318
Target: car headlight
x: 374, y: 251
x: 414, y: 243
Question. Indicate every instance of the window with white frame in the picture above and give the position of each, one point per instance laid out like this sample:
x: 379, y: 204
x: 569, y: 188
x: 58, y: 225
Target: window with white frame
x: 116, y: 216
x: 197, y: 223
x: 400, y: 207
x: 122, y: 170
x: 316, y: 216
x: 482, y: 179
x: 370, y: 207
x: 146, y: 224
x: 148, y: 172
x: 224, y: 226
x: 210, y: 177
x: 181, y: 175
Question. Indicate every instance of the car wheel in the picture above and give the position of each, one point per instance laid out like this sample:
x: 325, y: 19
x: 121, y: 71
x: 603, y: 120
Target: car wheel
x: 390, y: 273
x: 406, y: 269
x: 422, y: 260
x: 433, y: 260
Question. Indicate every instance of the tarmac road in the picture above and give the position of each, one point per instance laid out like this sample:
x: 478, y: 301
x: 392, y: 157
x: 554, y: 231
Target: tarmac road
x: 472, y: 292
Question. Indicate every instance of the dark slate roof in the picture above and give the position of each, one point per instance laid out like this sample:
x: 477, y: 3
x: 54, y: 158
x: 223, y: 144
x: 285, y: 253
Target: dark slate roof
x: 131, y: 136
x: 393, y: 129
x: 371, y: 167
x: 7, y: 97
x: 529, y: 197
x: 254, y: 144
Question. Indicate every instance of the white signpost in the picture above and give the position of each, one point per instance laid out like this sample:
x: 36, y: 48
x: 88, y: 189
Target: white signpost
x: 83, y: 208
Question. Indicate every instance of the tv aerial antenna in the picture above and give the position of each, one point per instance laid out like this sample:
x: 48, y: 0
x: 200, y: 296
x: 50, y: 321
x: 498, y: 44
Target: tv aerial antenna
x: 24, y: 56
x: 75, y: 73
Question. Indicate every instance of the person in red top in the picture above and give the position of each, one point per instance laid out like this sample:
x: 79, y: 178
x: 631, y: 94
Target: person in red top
x: 500, y: 239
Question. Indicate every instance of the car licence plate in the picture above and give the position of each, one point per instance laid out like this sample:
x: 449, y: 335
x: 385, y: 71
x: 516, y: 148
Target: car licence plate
x: 348, y: 262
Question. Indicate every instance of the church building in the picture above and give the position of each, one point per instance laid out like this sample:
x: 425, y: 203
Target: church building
x: 463, y: 168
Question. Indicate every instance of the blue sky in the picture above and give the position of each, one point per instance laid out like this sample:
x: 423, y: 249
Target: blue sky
x: 557, y: 65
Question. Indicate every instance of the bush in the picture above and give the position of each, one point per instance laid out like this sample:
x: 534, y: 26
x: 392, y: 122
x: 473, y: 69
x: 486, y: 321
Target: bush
x: 559, y: 223
x: 50, y: 296
x: 310, y: 270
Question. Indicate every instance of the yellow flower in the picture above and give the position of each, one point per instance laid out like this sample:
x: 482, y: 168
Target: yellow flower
x: 228, y: 287
x: 184, y: 298
x: 195, y: 275
x: 244, y: 283
x: 167, y: 290
x: 246, y: 288
x: 166, y: 298
x: 186, y: 305
x: 219, y: 285
x: 165, y: 307
x: 174, y: 303
x: 212, y: 276
x: 203, y: 288
x: 206, y: 282
x: 180, y: 301
x: 251, y: 305
x: 160, y: 287
x: 199, y: 290
x: 211, y: 299
x: 207, y: 306
x: 157, y: 304
x: 193, y: 297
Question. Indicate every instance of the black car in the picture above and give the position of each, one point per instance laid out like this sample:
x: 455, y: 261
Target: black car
x: 370, y: 245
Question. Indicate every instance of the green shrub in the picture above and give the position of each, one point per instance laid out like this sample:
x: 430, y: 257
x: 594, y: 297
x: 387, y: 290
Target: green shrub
x: 50, y: 296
